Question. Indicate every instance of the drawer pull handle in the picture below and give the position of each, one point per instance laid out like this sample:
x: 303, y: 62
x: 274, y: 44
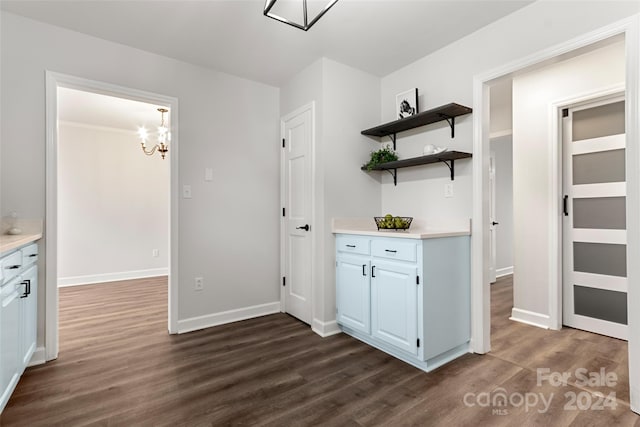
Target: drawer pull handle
x: 351, y: 246
x: 364, y: 266
x: 389, y: 250
x: 32, y: 255
x: 12, y: 267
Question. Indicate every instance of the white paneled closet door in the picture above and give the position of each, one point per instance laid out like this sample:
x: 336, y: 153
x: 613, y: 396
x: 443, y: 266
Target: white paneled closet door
x: 594, y: 212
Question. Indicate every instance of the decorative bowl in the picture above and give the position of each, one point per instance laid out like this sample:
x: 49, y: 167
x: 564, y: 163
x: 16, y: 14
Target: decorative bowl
x: 393, y: 223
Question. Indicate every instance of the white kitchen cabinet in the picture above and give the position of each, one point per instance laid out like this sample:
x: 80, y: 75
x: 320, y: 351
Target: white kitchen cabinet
x: 413, y: 293
x: 9, y: 338
x: 18, y: 316
x: 28, y: 314
x: 354, y: 296
x: 394, y: 305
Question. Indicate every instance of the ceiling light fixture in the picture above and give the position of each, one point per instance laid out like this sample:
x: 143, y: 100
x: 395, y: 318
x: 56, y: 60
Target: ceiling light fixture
x: 164, y: 136
x: 306, y: 23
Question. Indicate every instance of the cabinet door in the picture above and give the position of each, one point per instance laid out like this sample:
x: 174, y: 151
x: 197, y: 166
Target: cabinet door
x: 9, y: 339
x: 353, y: 293
x: 29, y: 314
x: 394, y: 308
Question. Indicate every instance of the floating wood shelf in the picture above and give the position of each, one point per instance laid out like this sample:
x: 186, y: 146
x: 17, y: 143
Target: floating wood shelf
x: 448, y: 158
x: 446, y: 112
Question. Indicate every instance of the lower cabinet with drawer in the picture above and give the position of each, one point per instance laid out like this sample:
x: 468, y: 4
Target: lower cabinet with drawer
x: 18, y: 316
x: 407, y: 297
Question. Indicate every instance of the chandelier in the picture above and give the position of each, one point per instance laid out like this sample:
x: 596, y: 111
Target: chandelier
x: 289, y: 9
x: 164, y: 136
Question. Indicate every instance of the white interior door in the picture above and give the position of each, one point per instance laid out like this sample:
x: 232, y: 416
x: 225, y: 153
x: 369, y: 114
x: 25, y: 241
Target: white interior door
x: 594, y: 225
x: 492, y: 219
x: 297, y: 145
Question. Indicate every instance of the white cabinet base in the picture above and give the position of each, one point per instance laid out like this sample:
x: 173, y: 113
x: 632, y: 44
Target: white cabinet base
x: 415, y: 295
x: 427, y: 366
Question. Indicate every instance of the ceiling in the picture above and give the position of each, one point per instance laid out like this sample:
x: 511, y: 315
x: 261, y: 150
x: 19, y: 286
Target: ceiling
x: 107, y: 111
x: 233, y: 36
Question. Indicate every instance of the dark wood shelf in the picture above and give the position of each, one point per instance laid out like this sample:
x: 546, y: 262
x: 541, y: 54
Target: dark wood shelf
x: 448, y: 158
x: 446, y: 112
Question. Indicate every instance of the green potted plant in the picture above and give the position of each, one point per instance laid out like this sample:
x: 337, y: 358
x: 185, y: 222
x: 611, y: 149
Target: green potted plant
x: 383, y: 155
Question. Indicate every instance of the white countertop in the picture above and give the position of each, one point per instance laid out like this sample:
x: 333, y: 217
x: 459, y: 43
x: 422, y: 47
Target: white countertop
x: 31, y: 231
x: 420, y: 228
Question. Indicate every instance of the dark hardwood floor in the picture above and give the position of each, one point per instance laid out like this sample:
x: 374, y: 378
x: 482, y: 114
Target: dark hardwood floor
x: 119, y: 367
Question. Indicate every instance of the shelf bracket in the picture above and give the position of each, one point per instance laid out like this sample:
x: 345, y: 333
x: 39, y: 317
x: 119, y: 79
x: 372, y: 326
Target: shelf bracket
x: 450, y: 164
x: 452, y: 125
x: 394, y: 174
x: 392, y: 136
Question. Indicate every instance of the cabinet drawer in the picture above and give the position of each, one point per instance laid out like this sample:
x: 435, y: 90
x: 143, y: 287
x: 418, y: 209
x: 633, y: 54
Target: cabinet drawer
x: 29, y: 254
x: 354, y: 245
x: 403, y: 251
x: 11, y: 265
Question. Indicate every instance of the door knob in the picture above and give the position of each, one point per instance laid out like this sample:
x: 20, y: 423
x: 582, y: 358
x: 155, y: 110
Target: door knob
x: 495, y: 223
x: 304, y: 227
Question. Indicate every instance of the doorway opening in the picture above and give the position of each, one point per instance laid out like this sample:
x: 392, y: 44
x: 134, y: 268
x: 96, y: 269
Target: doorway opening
x: 113, y: 209
x: 91, y: 162
x: 550, y: 246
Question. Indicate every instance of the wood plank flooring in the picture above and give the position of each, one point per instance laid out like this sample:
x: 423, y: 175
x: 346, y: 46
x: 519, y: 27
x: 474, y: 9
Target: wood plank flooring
x: 119, y: 367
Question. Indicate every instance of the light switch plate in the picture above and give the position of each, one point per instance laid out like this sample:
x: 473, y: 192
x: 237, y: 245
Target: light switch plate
x: 186, y: 191
x: 208, y: 174
x: 448, y: 189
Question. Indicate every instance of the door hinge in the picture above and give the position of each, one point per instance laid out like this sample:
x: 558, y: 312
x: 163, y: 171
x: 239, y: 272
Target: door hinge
x: 282, y: 142
x: 283, y: 212
x: 418, y: 342
x: 417, y: 280
x: 284, y: 281
x: 565, y: 112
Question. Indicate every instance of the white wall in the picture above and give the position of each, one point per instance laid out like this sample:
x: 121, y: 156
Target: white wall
x: 532, y: 94
x: 502, y: 152
x: 113, y: 206
x: 225, y: 122
x: 347, y: 101
x: 447, y: 76
x: 351, y: 104
x: 500, y: 108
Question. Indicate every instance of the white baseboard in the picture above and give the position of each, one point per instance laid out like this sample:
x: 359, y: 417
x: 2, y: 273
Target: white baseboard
x: 215, y: 319
x: 504, y: 271
x: 325, y: 329
x: 38, y: 357
x: 530, y: 318
x: 111, y: 277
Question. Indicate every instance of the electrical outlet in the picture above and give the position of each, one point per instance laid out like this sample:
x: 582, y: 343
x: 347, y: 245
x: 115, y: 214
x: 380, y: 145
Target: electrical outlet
x: 448, y: 189
x: 199, y: 284
x: 208, y: 174
x: 155, y: 253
